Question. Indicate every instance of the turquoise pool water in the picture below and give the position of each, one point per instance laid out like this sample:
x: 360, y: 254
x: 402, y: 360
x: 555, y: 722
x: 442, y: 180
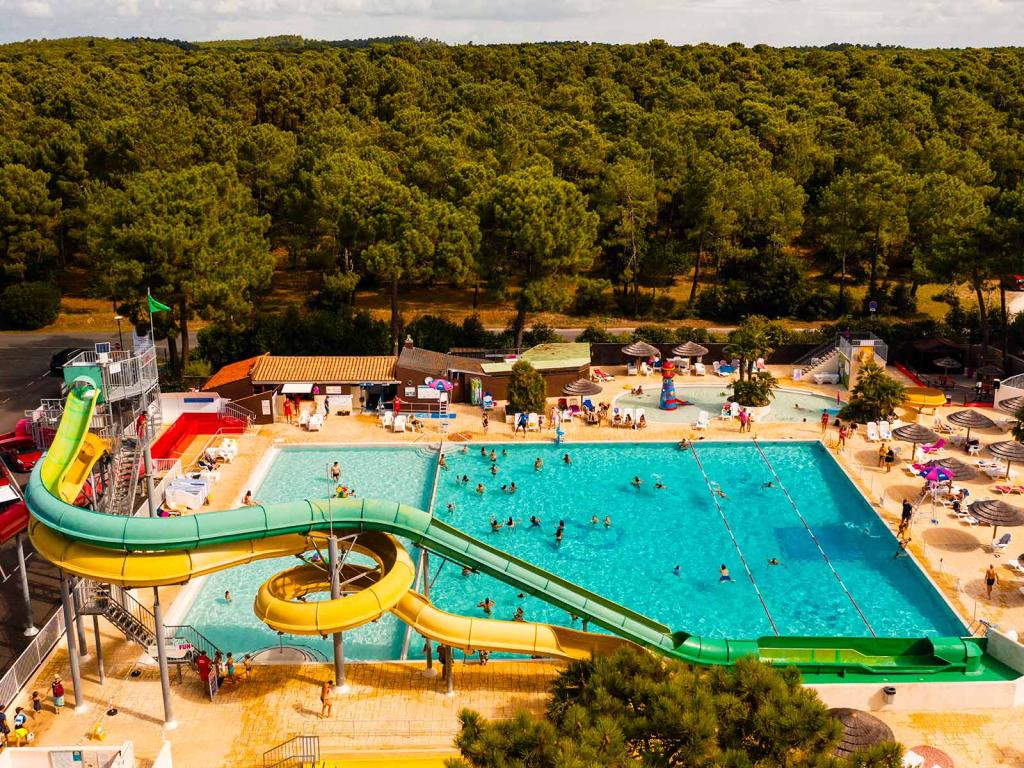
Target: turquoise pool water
x: 632, y: 562
x: 788, y: 405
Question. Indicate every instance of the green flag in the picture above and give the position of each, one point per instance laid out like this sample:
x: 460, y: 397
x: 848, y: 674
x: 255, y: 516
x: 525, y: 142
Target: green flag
x: 156, y: 306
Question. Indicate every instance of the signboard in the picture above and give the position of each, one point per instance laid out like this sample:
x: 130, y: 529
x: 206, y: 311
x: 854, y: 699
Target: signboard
x: 265, y: 407
x: 427, y: 393
x: 410, y: 391
x: 333, y: 389
x: 872, y: 306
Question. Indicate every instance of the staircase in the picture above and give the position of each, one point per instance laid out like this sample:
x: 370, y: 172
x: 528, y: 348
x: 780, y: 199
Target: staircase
x: 824, y: 363
x: 120, y: 498
x: 135, y: 620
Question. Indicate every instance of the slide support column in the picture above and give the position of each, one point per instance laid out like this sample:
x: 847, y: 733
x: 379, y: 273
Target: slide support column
x: 147, y: 463
x: 76, y: 601
x: 69, y: 634
x: 99, y: 648
x: 26, y: 597
x: 161, y: 653
x: 337, y: 638
x: 428, y: 647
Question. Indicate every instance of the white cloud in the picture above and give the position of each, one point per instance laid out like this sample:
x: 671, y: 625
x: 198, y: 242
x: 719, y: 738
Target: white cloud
x: 777, y: 22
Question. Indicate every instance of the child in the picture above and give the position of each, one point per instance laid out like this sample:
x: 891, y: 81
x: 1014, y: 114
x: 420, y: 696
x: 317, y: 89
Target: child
x: 247, y: 665
x: 230, y: 664
x: 57, y: 689
x: 37, y: 703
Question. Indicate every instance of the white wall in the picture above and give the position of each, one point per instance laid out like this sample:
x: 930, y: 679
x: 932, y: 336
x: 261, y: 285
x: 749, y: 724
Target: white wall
x: 92, y: 756
x: 173, y: 404
x: 922, y: 697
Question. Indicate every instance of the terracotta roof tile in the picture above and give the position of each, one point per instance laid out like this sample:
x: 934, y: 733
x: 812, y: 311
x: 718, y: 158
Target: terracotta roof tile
x: 324, y: 369
x: 231, y: 372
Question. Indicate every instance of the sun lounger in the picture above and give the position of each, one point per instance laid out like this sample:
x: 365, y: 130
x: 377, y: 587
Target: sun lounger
x: 1004, y: 489
x: 999, y: 546
x: 935, y: 447
x: 703, y: 419
x: 387, y: 420
x: 316, y: 422
x: 588, y: 405
x: 872, y: 432
x: 600, y: 375
x: 631, y: 369
x: 940, y: 425
x: 966, y: 517
x: 303, y: 418
x: 826, y: 378
x: 399, y: 424
x: 884, y: 432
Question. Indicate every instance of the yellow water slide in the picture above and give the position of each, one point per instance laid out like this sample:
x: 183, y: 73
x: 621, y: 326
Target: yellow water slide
x: 74, y: 450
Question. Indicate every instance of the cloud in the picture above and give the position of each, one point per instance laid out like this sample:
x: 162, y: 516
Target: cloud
x: 776, y: 22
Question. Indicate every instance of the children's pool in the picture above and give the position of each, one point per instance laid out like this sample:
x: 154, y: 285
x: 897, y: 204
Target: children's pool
x: 788, y: 405
x: 652, y: 530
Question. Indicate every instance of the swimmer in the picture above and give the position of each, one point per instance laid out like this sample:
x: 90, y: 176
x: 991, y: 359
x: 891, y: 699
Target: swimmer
x: 483, y: 451
x: 504, y: 488
x: 512, y: 487
x: 774, y: 561
x: 335, y: 471
x: 538, y: 465
x: 519, y: 615
x: 487, y: 605
x: 636, y: 482
x: 718, y: 490
x: 723, y: 574
x: 593, y: 520
x: 465, y: 450
x: 495, y: 525
x: 534, y: 521
x: 451, y: 507
x: 465, y: 479
x: 677, y: 571
x: 494, y: 456
x: 227, y: 596
x: 494, y: 469
x: 480, y: 488
x: 659, y: 485
x: 442, y: 462
x: 466, y: 570
x: 511, y: 524
x: 560, y: 531
x: 769, y: 484
x: 566, y: 459
x: 504, y: 452
x: 607, y: 521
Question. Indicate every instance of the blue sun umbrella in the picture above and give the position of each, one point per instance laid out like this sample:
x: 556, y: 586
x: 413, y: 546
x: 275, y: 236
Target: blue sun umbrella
x: 937, y: 475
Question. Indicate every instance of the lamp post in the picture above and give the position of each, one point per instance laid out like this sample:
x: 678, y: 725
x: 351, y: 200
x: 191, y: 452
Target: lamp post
x: 120, y: 338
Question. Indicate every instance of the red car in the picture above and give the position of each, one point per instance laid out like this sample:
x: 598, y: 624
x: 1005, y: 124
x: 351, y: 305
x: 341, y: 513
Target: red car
x: 13, y: 512
x: 20, y: 453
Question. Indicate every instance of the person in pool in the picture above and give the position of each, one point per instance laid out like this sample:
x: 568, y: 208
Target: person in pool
x: 466, y: 570
x: 566, y: 459
x: 534, y: 521
x: 773, y: 561
x: 464, y: 479
x: 483, y: 451
x: 519, y: 615
x: 538, y: 465
x: 464, y: 450
x: 636, y: 482
x: 607, y: 521
x: 480, y: 488
x: 451, y: 507
x: 510, y: 524
x: 769, y: 484
x: 723, y: 574
x: 227, y: 596
x: 504, y: 488
x: 659, y: 485
x: 560, y: 531
x: 487, y: 604
x: 504, y: 452
x: 493, y: 456
x: 495, y: 525
x: 494, y: 469
x: 594, y: 520
x: 336, y: 470
x: 512, y: 487
x: 442, y: 462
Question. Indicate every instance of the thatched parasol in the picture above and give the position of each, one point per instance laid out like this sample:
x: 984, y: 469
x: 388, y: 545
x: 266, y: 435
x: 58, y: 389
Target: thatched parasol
x: 860, y: 731
x: 971, y: 420
x: 640, y: 349
x: 958, y: 469
x: 990, y: 370
x: 996, y: 512
x: 581, y: 388
x: 1012, y: 404
x: 690, y: 349
x: 914, y: 433
x: 1010, y: 450
x: 945, y: 363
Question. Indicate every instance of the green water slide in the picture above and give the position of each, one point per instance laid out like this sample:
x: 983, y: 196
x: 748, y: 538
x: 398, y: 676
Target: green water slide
x: 89, y: 537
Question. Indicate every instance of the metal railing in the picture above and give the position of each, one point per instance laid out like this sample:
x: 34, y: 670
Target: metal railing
x: 297, y: 751
x: 237, y: 411
x: 124, y: 373
x: 21, y: 672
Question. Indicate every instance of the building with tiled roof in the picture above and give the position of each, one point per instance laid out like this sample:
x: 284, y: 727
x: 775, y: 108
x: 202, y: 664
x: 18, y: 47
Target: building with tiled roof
x: 324, y: 370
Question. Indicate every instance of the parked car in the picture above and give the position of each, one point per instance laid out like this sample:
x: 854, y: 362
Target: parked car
x: 59, y: 360
x: 1012, y: 282
x: 20, y: 453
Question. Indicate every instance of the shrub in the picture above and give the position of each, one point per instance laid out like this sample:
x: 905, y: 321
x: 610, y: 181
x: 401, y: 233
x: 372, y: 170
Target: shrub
x: 653, y: 334
x: 819, y: 304
x: 540, y: 334
x: 590, y: 297
x: 595, y: 334
x: 28, y: 306
x: 526, y: 389
x: 757, y: 391
x: 685, y: 333
x: 434, y: 332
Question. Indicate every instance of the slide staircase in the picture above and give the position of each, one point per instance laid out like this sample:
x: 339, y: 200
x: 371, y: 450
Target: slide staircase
x: 127, y: 466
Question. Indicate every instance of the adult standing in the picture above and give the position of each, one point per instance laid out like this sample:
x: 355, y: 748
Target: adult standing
x: 57, y: 690
x: 991, y: 579
x: 288, y: 410
x: 5, y: 729
x: 326, y: 693
x: 824, y: 422
x: 203, y: 666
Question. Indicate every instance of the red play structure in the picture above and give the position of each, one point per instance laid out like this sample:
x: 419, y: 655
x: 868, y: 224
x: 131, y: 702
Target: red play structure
x: 13, y: 512
x: 173, y: 442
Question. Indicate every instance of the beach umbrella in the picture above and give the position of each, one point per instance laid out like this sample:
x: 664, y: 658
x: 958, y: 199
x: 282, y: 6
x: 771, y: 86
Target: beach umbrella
x: 996, y: 512
x: 924, y: 397
x: 914, y: 433
x: 971, y: 420
x: 1012, y: 404
x: 690, y: 349
x: 933, y: 758
x: 860, y: 731
x: 1010, y: 450
x: 957, y: 469
x: 945, y: 363
x: 581, y: 388
x: 640, y: 349
x: 936, y: 474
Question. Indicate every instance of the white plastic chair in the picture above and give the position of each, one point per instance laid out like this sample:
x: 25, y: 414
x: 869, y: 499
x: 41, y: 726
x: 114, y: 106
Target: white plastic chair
x: 872, y: 432
x: 387, y: 420
x: 399, y: 424
x: 698, y: 369
x: 883, y: 430
x: 703, y: 419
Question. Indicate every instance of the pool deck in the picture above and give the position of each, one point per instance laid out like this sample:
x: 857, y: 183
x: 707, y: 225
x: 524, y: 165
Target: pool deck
x: 392, y: 706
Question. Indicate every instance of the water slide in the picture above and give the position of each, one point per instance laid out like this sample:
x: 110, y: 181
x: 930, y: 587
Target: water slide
x: 137, y: 552
x: 74, y: 450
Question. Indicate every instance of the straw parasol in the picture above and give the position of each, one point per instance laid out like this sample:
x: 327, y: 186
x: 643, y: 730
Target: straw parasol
x: 640, y: 349
x: 923, y: 397
x: 945, y: 363
x: 581, y: 388
x: 690, y: 349
x: 990, y: 370
x: 971, y: 420
x: 914, y: 433
x: 996, y: 512
x: 1012, y: 404
x: 1010, y: 450
x: 958, y: 469
x: 860, y: 731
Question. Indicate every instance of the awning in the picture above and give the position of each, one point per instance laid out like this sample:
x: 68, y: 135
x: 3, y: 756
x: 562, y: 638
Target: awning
x: 297, y: 388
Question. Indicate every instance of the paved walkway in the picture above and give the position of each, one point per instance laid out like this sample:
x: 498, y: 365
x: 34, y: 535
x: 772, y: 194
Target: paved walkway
x: 392, y: 706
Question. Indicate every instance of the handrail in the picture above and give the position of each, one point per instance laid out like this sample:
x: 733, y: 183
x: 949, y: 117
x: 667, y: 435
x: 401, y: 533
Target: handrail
x: 239, y: 412
x: 736, y: 544
x: 297, y: 751
x: 29, y: 660
x: 815, y: 539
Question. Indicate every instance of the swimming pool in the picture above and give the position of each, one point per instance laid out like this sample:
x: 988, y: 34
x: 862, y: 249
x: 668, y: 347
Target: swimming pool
x: 652, y: 530
x: 788, y: 405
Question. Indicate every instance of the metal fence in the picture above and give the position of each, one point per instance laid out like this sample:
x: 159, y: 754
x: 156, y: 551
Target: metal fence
x: 297, y: 751
x: 20, y: 673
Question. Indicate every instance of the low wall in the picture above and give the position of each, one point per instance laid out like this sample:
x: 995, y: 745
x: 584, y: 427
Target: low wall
x: 605, y: 353
x: 922, y: 697
x: 92, y: 756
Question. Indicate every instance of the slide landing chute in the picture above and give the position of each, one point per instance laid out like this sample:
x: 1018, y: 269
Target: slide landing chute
x: 139, y: 551
x: 74, y: 450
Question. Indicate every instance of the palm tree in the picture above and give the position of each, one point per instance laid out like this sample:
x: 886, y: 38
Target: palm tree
x: 750, y: 341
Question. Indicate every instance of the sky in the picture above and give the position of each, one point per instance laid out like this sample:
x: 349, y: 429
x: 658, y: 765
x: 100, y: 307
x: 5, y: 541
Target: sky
x: 919, y: 23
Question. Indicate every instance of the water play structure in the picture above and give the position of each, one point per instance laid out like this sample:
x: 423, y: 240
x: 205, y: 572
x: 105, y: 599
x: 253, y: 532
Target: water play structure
x: 669, y: 401
x: 144, y: 551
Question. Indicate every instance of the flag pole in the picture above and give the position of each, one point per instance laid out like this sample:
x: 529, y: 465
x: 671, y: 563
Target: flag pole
x: 149, y: 308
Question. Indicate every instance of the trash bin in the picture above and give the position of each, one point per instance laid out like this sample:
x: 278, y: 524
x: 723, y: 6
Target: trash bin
x: 890, y: 693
